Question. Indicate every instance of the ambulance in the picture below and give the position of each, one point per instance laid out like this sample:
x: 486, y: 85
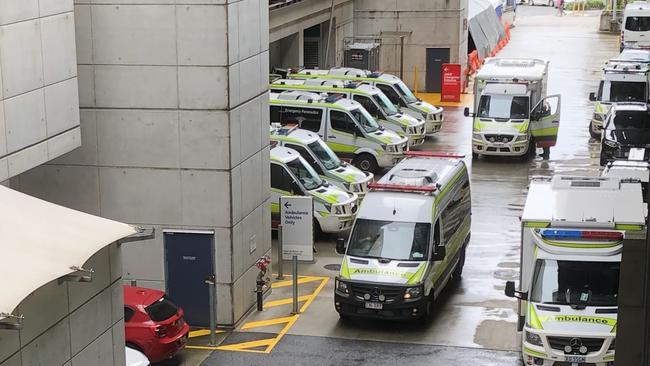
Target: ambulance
x: 334, y: 208
x: 408, y: 240
x: 572, y: 233
x: 370, y: 97
x: 512, y: 114
x: 394, y: 88
x: 343, y: 124
x: 621, y: 81
x: 322, y: 158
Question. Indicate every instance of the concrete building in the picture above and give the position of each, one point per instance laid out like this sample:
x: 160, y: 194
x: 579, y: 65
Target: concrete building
x: 174, y: 116
x: 39, y: 102
x: 435, y: 33
x: 299, y: 33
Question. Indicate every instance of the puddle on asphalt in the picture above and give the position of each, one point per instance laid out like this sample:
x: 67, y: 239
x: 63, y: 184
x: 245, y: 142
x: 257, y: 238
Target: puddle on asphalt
x: 506, y: 274
x: 497, y: 334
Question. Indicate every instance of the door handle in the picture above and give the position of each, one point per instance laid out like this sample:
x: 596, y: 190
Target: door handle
x: 331, y: 136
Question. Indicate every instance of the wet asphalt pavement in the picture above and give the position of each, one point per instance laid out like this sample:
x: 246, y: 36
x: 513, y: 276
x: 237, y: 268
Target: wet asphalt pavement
x: 475, y: 322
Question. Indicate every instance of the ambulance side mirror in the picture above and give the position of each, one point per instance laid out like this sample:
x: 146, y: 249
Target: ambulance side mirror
x: 295, y: 188
x: 440, y: 252
x: 511, y: 292
x: 467, y: 113
x: 592, y: 96
x: 340, y: 246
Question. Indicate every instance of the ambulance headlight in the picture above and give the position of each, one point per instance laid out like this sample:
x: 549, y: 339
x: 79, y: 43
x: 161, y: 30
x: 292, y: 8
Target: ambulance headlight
x: 477, y: 136
x: 610, y: 143
x: 341, y: 287
x: 391, y: 148
x: 534, y: 339
x: 521, y: 138
x: 328, y: 207
x: 413, y: 292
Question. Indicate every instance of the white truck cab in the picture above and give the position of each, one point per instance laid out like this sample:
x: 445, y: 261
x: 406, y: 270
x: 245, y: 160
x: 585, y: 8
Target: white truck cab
x: 324, y: 161
x: 621, y: 81
x: 408, y: 240
x: 334, y: 208
x: 394, y: 88
x: 370, y: 97
x: 512, y: 114
x: 343, y: 124
x: 573, y: 230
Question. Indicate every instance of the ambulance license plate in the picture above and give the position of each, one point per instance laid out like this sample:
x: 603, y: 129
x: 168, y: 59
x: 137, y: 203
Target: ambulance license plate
x: 575, y: 359
x: 374, y: 305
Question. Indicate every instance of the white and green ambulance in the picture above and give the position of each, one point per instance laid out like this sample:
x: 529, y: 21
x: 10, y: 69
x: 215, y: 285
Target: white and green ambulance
x: 573, y: 230
x: 322, y: 158
x: 512, y: 114
x: 370, y: 97
x: 621, y: 81
x: 334, y: 208
x: 408, y: 240
x: 343, y: 124
x: 392, y: 86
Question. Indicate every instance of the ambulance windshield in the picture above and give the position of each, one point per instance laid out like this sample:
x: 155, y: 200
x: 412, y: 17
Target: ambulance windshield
x: 326, y: 156
x: 406, y: 92
x: 305, y: 174
x: 386, y: 105
x: 575, y: 283
x: 405, y: 241
x: 504, y: 107
x: 365, y: 119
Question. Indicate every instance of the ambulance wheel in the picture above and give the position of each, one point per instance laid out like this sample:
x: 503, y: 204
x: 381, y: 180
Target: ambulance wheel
x: 594, y: 135
x: 458, y: 271
x: 366, y: 162
x: 475, y: 156
x: 428, y: 308
x: 318, y: 232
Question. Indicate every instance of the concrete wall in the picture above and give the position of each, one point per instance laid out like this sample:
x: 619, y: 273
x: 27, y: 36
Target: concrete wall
x: 174, y: 115
x: 39, y: 108
x: 433, y: 23
x: 291, y: 21
x: 71, y: 323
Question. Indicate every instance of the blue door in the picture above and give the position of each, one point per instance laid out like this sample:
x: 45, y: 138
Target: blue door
x: 189, y: 260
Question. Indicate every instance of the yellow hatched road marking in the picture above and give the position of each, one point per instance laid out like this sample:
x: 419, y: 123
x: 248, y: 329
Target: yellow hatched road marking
x: 301, y: 280
x: 289, y: 321
x: 286, y: 301
x: 202, y: 332
x: 266, y: 323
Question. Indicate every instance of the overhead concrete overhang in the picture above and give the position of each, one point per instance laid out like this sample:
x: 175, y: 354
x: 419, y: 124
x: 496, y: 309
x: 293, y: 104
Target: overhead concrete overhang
x: 484, y: 26
x: 41, y: 242
x: 287, y: 20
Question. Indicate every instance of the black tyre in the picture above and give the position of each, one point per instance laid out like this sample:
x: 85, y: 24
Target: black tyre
x: 428, y: 309
x: 458, y: 271
x: 593, y: 134
x: 366, y: 162
x: 475, y: 156
x: 318, y: 232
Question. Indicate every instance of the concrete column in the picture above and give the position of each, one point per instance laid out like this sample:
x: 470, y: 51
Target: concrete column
x: 301, y: 47
x: 174, y: 115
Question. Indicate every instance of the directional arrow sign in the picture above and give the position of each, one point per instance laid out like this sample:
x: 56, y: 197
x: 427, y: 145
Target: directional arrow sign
x: 297, y: 218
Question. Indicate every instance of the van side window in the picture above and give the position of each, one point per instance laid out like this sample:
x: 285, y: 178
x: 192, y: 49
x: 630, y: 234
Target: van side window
x: 341, y: 121
x: 436, y: 236
x: 307, y: 156
x: 307, y: 118
x: 280, y: 178
x: 369, y: 105
x: 457, y: 210
x: 391, y: 94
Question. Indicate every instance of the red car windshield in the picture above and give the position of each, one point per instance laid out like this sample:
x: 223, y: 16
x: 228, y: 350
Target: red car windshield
x: 162, y: 309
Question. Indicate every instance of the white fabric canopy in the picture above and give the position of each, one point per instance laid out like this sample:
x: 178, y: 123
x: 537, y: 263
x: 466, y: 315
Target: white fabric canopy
x: 41, y: 241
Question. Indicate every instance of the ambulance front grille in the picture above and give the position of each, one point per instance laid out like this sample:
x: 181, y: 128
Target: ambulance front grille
x: 392, y: 294
x: 592, y: 344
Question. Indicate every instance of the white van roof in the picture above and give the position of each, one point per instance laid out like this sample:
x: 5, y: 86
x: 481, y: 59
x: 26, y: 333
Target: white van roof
x: 570, y: 201
x: 308, y: 98
x: 513, y: 68
x: 636, y: 5
x: 406, y: 206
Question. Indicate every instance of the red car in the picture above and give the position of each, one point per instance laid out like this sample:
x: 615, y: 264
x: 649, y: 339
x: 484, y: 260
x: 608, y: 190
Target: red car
x: 154, y: 325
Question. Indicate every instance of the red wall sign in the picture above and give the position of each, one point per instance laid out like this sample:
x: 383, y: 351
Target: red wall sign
x: 450, y: 83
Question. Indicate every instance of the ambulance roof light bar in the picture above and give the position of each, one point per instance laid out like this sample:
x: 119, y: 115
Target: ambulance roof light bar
x: 430, y: 154
x: 402, y: 187
x: 581, y: 234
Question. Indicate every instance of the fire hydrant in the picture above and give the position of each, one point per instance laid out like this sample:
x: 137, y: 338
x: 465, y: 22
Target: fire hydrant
x: 262, y: 283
